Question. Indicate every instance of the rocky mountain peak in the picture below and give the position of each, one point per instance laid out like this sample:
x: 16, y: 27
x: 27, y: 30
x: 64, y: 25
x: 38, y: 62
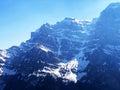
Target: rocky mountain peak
x: 70, y: 55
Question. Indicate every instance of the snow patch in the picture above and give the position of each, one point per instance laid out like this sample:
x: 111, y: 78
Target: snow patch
x: 6, y: 71
x: 67, y: 71
x: 4, y: 53
x: 71, y: 76
x: 1, y: 58
x: 67, y: 67
x: 59, y: 44
x: 1, y: 71
x: 73, y: 64
x: 52, y: 71
x: 82, y: 62
x: 44, y: 48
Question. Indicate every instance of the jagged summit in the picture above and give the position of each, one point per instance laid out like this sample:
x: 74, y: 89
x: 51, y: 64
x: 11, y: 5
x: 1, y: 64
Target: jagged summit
x: 71, y: 19
x: 67, y: 23
x: 71, y: 22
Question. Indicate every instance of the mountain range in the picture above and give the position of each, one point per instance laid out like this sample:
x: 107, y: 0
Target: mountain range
x: 69, y: 55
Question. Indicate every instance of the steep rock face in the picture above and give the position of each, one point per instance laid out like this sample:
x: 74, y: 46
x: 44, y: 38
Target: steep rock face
x: 65, y: 38
x: 106, y: 34
x: 108, y: 26
x: 104, y: 61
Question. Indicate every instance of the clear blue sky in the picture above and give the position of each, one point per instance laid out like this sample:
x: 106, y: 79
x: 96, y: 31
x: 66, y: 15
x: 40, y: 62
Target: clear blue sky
x: 20, y: 17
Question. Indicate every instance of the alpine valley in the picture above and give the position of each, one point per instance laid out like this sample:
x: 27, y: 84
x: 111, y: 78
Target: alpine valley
x: 70, y: 55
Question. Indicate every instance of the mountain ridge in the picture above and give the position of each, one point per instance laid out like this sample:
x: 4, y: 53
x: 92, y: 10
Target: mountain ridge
x: 71, y: 54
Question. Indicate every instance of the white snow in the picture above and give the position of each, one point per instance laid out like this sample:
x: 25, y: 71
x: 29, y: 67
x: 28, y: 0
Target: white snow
x: 44, y: 48
x: 74, y: 20
x: 71, y: 76
x: 1, y: 71
x: 73, y: 64
x: 2, y: 59
x: 4, y: 53
x: 82, y: 60
x: 52, y: 71
x: 2, y: 64
x: 67, y: 67
x: 6, y: 71
x: 37, y: 74
x: 77, y: 21
x: 59, y: 44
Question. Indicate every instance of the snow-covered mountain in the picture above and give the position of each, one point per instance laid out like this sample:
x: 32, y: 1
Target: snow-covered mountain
x: 72, y: 54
